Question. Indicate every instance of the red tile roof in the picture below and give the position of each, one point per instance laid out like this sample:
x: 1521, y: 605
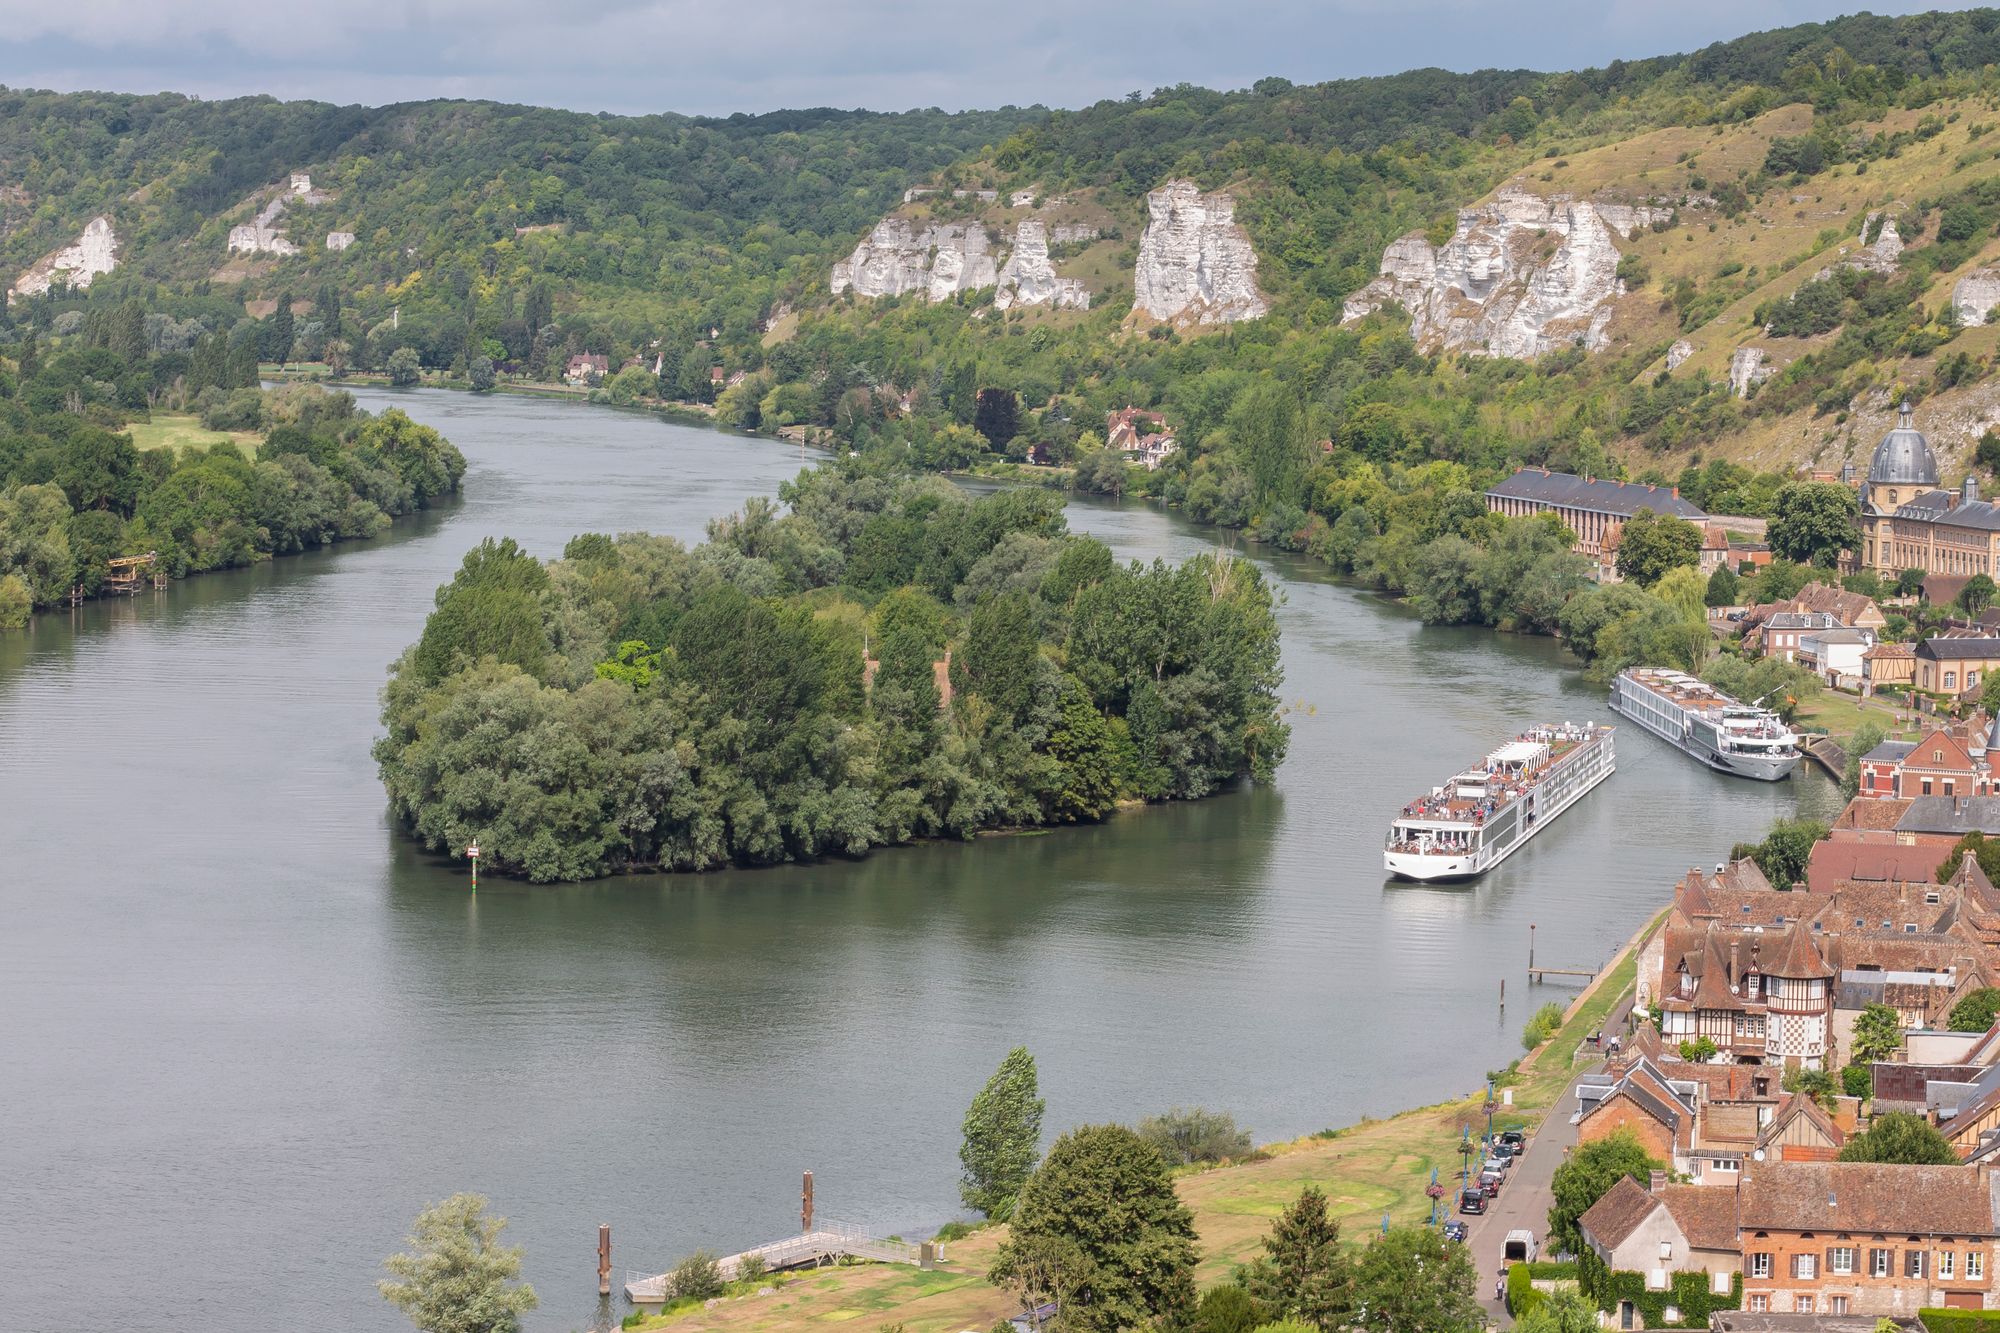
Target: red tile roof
x: 1706, y: 1214
x: 1866, y: 1196
x: 1618, y: 1213
x: 1869, y: 861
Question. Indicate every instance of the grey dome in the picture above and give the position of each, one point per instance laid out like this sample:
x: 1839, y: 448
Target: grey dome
x: 1904, y: 457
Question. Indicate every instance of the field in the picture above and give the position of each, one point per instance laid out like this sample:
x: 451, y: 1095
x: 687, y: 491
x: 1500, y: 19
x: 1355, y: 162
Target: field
x: 170, y: 431
x: 1367, y: 1170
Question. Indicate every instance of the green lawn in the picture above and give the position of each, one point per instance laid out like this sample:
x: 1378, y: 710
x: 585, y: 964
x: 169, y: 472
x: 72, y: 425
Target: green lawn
x: 1841, y: 715
x: 176, y: 432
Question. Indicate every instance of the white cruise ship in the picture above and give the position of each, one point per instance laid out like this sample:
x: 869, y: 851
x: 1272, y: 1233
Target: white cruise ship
x: 1728, y: 736
x: 1475, y: 821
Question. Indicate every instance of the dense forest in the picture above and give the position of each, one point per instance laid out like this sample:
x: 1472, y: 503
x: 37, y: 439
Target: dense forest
x: 75, y: 491
x: 886, y: 659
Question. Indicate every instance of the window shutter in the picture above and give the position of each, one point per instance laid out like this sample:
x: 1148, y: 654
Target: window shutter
x: 1829, y: 1262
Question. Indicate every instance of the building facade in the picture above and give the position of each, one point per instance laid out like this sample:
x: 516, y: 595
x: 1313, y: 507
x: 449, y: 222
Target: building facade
x: 1908, y: 522
x: 1590, y: 507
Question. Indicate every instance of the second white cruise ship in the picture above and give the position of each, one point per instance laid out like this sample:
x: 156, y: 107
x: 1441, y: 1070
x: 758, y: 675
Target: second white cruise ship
x: 1728, y: 736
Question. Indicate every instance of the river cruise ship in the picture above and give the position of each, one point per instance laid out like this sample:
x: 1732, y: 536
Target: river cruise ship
x: 1728, y: 736
x: 1475, y: 821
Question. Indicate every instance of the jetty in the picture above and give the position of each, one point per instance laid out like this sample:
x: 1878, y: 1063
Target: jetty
x: 1826, y: 752
x: 829, y: 1242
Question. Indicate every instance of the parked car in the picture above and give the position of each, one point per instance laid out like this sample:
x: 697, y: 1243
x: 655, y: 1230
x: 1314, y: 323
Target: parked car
x: 1519, y: 1247
x: 1495, y: 1164
x: 1455, y: 1230
x: 1471, y: 1200
x: 1514, y: 1139
x: 1490, y: 1181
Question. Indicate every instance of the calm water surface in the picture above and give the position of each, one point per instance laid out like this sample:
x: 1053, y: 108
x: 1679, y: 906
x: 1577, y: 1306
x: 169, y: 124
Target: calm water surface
x: 246, y: 1033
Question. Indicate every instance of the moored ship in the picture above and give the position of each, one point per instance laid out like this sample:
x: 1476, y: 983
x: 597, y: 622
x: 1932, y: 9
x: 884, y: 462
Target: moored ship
x: 1730, y: 737
x: 1476, y: 820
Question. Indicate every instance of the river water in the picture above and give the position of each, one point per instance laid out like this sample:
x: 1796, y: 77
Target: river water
x: 246, y: 1032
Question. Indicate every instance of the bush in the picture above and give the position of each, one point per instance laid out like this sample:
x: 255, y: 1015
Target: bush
x: 1545, y: 1024
x: 1187, y: 1137
x: 751, y: 1268
x: 1521, y: 1294
x: 14, y: 602
x: 1856, y: 1081
x: 241, y: 410
x: 696, y: 1278
x: 952, y: 1231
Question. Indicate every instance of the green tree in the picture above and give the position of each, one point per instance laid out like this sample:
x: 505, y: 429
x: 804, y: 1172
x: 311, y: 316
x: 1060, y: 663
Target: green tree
x: 1228, y: 1308
x: 1189, y: 1137
x: 491, y: 608
x: 1878, y: 1032
x: 1564, y: 1311
x: 1901, y: 1137
x: 1413, y: 1280
x: 1977, y: 594
x: 1303, y: 1273
x: 1865, y: 738
x: 1815, y: 1083
x: 1724, y: 587
x: 479, y: 374
x: 1586, y: 1176
x: 1856, y: 1081
x: 1107, y: 1191
x: 697, y: 1277
x: 1976, y: 1012
x: 1043, y: 1270
x: 405, y: 366
x: 1003, y: 1130
x: 1651, y: 544
x: 1908, y: 581
x: 1985, y: 851
x: 1783, y: 854
x: 1813, y: 522
x: 456, y: 1277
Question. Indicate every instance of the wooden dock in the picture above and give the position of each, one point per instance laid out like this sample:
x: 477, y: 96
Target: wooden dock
x: 824, y: 1244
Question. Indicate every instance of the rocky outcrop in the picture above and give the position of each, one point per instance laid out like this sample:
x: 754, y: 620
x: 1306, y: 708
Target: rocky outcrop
x: 1628, y: 220
x: 339, y: 240
x: 261, y: 236
x: 1029, y: 278
x: 94, y: 251
x: 1679, y: 352
x: 1975, y: 295
x: 1196, y: 265
x: 1747, y: 367
x: 1521, y: 276
x: 1882, y: 254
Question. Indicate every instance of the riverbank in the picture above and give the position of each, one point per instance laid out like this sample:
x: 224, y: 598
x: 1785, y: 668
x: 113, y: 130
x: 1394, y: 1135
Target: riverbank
x: 1368, y: 1170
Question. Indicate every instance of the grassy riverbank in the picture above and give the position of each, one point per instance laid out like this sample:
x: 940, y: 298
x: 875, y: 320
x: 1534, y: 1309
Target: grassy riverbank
x: 177, y: 432
x: 1375, y: 1167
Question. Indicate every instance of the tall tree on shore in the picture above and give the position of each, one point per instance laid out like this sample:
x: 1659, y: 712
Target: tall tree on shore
x: 1302, y: 1274
x: 1003, y: 1134
x: 456, y: 1277
x: 1586, y: 1177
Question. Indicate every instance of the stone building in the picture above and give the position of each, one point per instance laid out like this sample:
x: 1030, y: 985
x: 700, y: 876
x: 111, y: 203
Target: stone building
x: 1907, y: 522
x: 1594, y: 509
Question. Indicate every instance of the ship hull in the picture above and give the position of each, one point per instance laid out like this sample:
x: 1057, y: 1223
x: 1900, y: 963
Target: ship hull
x: 1592, y: 768
x: 1758, y: 768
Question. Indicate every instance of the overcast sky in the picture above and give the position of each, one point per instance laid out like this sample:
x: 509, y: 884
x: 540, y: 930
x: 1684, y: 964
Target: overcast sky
x: 718, y: 56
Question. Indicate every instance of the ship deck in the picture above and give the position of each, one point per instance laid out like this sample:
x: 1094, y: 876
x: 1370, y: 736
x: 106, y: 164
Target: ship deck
x: 1501, y: 794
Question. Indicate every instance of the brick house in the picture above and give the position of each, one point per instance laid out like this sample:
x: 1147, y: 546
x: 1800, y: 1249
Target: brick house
x: 1952, y: 760
x: 1866, y: 1238
x: 586, y: 368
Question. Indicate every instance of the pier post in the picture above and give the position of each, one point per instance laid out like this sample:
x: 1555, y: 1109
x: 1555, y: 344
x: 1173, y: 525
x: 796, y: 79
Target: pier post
x: 1503, y: 993
x: 806, y: 1204
x: 1531, y: 951
x: 604, y: 1259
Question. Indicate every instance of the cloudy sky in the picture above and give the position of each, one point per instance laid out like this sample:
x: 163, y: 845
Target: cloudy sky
x: 718, y: 56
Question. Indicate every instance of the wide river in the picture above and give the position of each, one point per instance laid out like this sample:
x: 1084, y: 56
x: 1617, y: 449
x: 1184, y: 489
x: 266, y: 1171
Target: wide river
x: 246, y: 1032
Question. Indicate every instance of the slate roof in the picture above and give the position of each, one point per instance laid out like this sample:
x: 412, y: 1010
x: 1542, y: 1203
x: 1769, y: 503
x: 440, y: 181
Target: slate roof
x: 1820, y: 620
x: 1866, y: 1196
x: 1950, y: 814
x: 1942, y: 507
x: 1948, y: 650
x: 1564, y: 489
x: 1904, y: 457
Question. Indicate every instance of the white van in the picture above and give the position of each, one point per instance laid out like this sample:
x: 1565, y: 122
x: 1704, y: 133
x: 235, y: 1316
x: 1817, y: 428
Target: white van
x: 1519, y: 1247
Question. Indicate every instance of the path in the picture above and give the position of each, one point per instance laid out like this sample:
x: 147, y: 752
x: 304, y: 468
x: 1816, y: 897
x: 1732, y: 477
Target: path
x: 1525, y: 1198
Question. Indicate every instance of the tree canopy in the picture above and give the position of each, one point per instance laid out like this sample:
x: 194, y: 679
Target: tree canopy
x: 456, y: 1277
x: 1002, y: 1135
x: 1899, y: 1136
x: 1586, y: 1176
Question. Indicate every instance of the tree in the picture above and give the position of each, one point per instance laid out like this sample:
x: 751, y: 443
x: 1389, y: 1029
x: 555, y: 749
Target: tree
x: 1303, y: 1273
x: 1724, y: 587
x: 1042, y: 1270
x: 1413, y: 1280
x: 1976, y: 1012
x: 1985, y: 851
x: 1228, y: 1308
x: 405, y: 366
x: 1908, y: 581
x: 1003, y: 1129
x: 1856, y: 1081
x: 1188, y: 1137
x: 1977, y: 594
x: 278, y: 331
x: 1878, y: 1031
x: 456, y: 1277
x: 1817, y: 1084
x: 1650, y: 544
x: 1564, y: 1311
x: 1900, y: 1137
x: 697, y: 1277
x: 480, y: 374
x: 1586, y: 1177
x: 1812, y: 522
x: 1107, y: 1191
x: 1866, y: 737
x: 1783, y: 854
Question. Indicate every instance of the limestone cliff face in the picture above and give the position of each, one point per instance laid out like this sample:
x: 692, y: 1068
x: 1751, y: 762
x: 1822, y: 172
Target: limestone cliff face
x: 1748, y: 366
x: 943, y: 259
x: 1029, y: 278
x: 1196, y: 265
x: 1975, y: 294
x: 1521, y: 276
x: 93, y: 252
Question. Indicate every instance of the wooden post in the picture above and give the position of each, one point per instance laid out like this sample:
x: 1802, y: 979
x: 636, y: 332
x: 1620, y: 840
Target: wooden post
x: 1531, y: 951
x: 1503, y: 993
x: 806, y: 1204
x: 604, y: 1259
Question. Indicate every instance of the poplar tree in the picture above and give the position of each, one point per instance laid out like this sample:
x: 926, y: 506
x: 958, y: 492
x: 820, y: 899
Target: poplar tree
x: 456, y: 1277
x: 1003, y: 1135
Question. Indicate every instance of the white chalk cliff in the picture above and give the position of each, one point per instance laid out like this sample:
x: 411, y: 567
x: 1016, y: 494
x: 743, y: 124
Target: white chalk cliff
x: 1748, y: 366
x: 1884, y: 252
x: 1196, y: 265
x: 1029, y: 278
x: 93, y: 252
x: 1521, y: 276
x: 1975, y: 294
x: 262, y: 235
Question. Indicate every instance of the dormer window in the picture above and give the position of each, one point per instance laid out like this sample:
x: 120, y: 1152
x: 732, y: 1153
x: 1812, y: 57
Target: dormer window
x: 1931, y: 897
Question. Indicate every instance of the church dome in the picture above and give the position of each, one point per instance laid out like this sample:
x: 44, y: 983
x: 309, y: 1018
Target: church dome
x: 1904, y: 457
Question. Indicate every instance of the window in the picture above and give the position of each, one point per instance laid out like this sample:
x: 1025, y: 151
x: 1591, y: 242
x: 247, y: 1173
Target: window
x: 1760, y: 1265
x: 1805, y: 1266
x: 1913, y: 1262
x: 1759, y: 1304
x: 1947, y: 1265
x: 1805, y: 1305
x: 1927, y: 781
x: 1840, y: 1260
x: 1975, y: 1264
x: 1732, y: 1164
x: 1839, y: 1305
x: 1719, y: 1283
x: 1878, y: 1263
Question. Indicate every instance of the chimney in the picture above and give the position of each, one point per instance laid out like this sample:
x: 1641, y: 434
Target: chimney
x: 1677, y: 492
x: 1656, y: 1182
x: 1969, y: 492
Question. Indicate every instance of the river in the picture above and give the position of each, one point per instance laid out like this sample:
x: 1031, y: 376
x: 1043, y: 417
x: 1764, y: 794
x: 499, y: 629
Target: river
x: 246, y: 1032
